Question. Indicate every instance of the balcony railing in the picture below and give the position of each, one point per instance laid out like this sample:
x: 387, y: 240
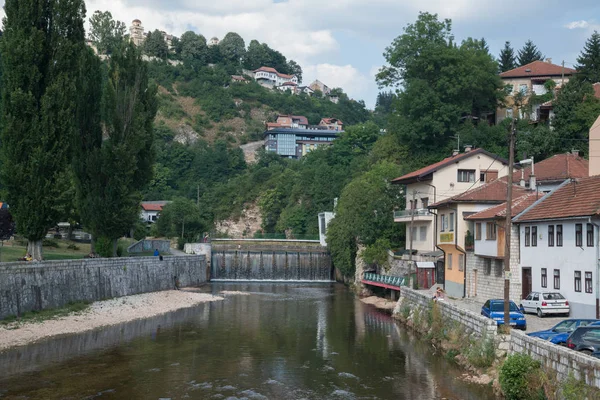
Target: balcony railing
x: 385, y: 279
x: 419, y: 212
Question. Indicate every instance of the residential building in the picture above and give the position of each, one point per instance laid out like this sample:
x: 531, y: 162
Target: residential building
x: 334, y: 98
x: 324, y: 220
x: 333, y: 124
x: 238, y: 78
x: 305, y: 89
x: 270, y: 77
x: 291, y: 86
x: 455, y: 235
x: 320, y: 86
x: 168, y: 40
x: 531, y: 79
x: 486, y: 261
x: 559, y: 244
x: 136, y: 32
x: 214, y: 41
x: 296, y: 142
x: 551, y: 172
x: 288, y: 121
x: 151, y: 210
x: 594, y: 148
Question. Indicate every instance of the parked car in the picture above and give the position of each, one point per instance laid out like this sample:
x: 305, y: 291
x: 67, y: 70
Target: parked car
x: 585, y: 339
x: 543, y: 303
x: 595, y: 354
x: 561, y: 338
x: 563, y: 328
x: 494, y: 309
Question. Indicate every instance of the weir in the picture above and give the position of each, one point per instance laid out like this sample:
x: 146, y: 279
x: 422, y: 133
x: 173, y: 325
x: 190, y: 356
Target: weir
x: 270, y: 261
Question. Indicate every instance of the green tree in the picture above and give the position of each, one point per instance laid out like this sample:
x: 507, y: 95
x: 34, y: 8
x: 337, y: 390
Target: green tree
x: 181, y: 218
x: 529, y: 53
x: 192, y: 48
x: 41, y: 49
x: 233, y: 47
x: 256, y: 56
x: 506, y: 59
x: 293, y: 68
x: 105, y: 32
x: 588, y: 67
x: 155, y: 45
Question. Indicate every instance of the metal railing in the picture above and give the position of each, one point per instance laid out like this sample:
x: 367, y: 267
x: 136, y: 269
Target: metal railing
x: 419, y: 212
x: 388, y: 280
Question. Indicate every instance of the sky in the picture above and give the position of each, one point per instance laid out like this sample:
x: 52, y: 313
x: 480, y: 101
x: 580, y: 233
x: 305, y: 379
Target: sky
x: 341, y: 42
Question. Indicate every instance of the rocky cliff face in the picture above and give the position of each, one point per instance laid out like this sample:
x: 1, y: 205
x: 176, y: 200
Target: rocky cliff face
x: 244, y: 227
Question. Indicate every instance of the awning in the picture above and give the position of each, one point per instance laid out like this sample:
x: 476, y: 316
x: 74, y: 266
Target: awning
x: 425, y: 264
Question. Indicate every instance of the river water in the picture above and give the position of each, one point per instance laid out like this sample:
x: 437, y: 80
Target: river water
x: 282, y: 341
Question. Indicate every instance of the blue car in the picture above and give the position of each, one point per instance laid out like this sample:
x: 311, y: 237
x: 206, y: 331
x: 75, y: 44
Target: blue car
x: 566, y: 326
x: 494, y: 309
x: 561, y: 338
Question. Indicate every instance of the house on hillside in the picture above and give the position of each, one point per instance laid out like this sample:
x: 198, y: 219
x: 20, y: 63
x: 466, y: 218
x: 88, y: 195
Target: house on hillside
x: 320, y: 86
x: 151, y: 210
x: 238, y: 78
x: 546, y: 109
x: 551, y: 172
x: 559, y: 244
x: 434, y: 183
x: 333, y: 124
x: 288, y: 121
x: 305, y: 89
x: 136, y: 32
x: 528, y: 80
x: 297, y: 142
x: 291, y: 86
x: 214, y: 41
x: 270, y: 77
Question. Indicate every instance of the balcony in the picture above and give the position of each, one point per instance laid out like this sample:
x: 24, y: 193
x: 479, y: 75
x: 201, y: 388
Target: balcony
x: 420, y: 214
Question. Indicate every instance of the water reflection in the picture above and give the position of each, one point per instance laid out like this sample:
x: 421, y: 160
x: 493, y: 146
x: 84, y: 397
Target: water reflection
x: 286, y: 341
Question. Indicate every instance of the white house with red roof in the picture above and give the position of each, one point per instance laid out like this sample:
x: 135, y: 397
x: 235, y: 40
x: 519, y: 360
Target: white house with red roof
x: 270, y: 77
x: 531, y: 79
x: 151, y: 210
x: 332, y: 124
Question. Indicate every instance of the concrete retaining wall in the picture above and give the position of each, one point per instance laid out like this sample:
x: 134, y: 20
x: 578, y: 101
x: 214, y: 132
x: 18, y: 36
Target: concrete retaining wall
x: 150, y: 245
x: 560, y: 359
x: 475, y: 323
x: 28, y: 286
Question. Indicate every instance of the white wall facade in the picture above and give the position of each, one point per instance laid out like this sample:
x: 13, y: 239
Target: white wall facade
x: 149, y: 216
x: 567, y: 259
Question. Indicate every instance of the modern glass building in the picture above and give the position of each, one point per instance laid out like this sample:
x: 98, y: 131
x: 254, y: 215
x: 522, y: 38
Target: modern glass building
x: 295, y: 143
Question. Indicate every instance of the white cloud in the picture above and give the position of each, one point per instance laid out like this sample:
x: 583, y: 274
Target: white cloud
x: 577, y: 25
x: 351, y: 80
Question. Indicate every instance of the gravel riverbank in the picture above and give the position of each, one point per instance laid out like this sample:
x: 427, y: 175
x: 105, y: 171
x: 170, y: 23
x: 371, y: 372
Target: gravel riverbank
x: 102, y: 313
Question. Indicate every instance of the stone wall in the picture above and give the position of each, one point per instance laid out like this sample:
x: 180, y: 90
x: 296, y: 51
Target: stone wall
x: 28, y: 286
x: 560, y: 359
x: 150, y: 245
x: 476, y: 324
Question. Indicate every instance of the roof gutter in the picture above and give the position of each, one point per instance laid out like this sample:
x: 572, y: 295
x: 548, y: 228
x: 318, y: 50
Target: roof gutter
x: 597, y: 246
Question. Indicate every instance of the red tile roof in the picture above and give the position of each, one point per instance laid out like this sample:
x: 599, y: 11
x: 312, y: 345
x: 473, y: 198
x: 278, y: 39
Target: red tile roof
x: 302, y: 120
x: 519, y: 204
x: 274, y: 71
x: 538, y: 69
x: 153, y: 205
x: 420, y: 173
x: 491, y: 192
x: 575, y: 198
x: 331, y: 121
x: 556, y: 168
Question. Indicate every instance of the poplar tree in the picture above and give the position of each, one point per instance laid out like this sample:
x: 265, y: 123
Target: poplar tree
x: 41, y: 49
x: 588, y: 67
x: 529, y: 53
x: 506, y: 60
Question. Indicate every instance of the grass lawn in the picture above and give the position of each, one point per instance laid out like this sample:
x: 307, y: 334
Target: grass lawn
x: 12, y: 251
x: 43, y: 315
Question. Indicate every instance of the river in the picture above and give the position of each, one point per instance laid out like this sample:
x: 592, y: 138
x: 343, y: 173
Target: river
x: 282, y: 341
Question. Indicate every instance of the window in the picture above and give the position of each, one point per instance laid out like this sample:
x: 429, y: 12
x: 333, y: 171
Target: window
x: 559, y: 235
x: 449, y: 261
x: 523, y: 89
x: 444, y: 223
x: 482, y: 177
x: 478, y: 231
x: 498, y: 267
x: 423, y: 233
x: 550, y: 235
x: 578, y: 281
x: 544, y: 277
x: 490, y: 233
x: 533, y: 236
x: 487, y: 266
x: 527, y: 236
x: 466, y: 175
x: 414, y: 233
x: 578, y: 235
x: 425, y: 201
x: 590, y: 235
x: 461, y: 262
x: 412, y: 205
x: 451, y: 222
x: 588, y: 282
x: 557, y: 279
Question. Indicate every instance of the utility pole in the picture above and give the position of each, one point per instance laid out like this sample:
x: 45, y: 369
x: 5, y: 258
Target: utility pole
x: 562, y: 81
x: 413, y: 208
x: 198, y: 195
x: 508, y: 224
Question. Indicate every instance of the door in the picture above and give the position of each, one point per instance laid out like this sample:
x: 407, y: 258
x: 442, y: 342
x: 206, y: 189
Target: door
x: 440, y: 273
x: 526, y: 287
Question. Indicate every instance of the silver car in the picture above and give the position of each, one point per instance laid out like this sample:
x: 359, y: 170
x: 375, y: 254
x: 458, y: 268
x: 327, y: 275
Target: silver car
x: 543, y: 303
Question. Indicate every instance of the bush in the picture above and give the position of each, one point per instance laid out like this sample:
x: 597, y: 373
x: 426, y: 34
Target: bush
x: 518, y: 375
x: 482, y: 353
x: 181, y: 243
x: 50, y: 243
x: 72, y: 246
x: 104, y: 247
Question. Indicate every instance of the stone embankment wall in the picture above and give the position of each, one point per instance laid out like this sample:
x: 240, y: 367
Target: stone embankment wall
x: 560, y: 359
x: 28, y: 286
x: 476, y: 324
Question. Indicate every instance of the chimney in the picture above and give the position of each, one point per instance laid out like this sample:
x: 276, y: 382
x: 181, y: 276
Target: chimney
x: 594, y: 152
x: 532, y: 182
x: 549, y: 60
x: 468, y: 148
x: 455, y: 152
